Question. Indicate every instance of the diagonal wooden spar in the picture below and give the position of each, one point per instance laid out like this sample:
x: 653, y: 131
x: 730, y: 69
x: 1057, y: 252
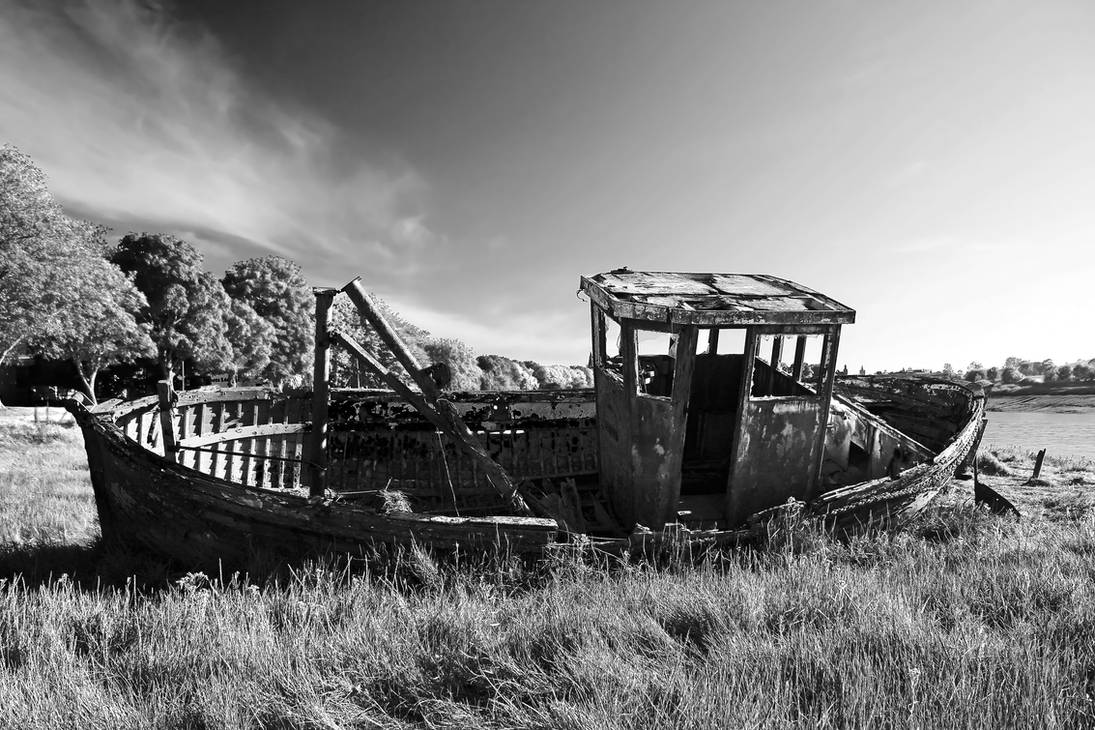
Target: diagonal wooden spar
x: 438, y: 411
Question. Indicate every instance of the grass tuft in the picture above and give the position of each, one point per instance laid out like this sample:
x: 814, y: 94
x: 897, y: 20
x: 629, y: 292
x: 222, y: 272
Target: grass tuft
x: 990, y: 464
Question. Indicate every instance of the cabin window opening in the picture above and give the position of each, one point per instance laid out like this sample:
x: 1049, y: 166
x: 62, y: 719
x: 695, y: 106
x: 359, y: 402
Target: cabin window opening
x: 613, y: 358
x: 727, y: 341
x: 657, y: 352
x: 787, y: 365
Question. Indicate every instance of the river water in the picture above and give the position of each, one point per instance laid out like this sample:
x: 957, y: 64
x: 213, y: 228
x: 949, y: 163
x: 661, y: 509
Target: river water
x: 1060, y: 434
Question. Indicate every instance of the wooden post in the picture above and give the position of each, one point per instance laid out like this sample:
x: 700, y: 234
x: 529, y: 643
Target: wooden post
x: 800, y: 358
x: 1038, y: 464
x: 597, y: 329
x: 629, y: 355
x: 684, y: 363
x: 167, y: 419
x: 777, y: 351
x: 826, y: 380
x: 713, y: 341
x: 321, y: 385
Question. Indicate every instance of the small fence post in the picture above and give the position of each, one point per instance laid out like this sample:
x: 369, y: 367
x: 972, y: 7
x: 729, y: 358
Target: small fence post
x: 1038, y: 464
x: 166, y: 394
x: 321, y: 387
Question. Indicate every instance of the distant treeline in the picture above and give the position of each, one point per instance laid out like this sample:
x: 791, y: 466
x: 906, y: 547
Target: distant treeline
x: 124, y: 313
x: 1017, y: 370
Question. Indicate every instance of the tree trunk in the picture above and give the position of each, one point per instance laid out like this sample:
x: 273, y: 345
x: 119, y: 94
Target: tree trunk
x: 4, y: 356
x: 87, y: 379
x: 167, y: 365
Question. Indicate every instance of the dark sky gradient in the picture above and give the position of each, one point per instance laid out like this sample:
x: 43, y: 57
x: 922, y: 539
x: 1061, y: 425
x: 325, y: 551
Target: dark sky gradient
x: 928, y: 163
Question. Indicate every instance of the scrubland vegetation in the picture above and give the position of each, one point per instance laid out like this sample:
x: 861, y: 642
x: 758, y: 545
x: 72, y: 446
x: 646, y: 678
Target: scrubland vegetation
x: 965, y: 620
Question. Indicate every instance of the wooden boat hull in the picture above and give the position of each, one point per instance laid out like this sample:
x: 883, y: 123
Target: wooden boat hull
x: 146, y: 500
x: 194, y: 517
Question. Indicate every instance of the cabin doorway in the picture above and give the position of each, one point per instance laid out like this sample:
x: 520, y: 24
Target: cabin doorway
x: 713, y: 415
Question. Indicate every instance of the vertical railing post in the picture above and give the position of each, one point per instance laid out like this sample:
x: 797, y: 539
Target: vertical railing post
x: 321, y: 386
x: 166, y: 395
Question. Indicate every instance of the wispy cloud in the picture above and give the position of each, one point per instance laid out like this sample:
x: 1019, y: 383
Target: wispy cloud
x: 142, y: 122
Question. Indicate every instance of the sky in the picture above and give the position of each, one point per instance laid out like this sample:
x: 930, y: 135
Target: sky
x: 929, y: 164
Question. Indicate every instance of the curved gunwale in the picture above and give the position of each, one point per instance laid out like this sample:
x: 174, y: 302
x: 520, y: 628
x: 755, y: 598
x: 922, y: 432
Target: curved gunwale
x: 897, y: 499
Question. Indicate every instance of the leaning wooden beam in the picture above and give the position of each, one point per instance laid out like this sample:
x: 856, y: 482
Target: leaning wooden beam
x: 443, y: 415
x: 167, y: 419
x: 321, y: 384
x: 370, y: 311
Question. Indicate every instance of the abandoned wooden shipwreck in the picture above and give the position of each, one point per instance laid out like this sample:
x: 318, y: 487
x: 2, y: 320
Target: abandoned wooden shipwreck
x: 716, y: 401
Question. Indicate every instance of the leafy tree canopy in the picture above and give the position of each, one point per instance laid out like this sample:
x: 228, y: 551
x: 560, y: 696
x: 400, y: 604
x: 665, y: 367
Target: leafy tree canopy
x: 186, y: 306
x: 251, y: 338
x: 276, y: 289
x: 99, y: 326
x: 502, y: 373
x: 42, y: 252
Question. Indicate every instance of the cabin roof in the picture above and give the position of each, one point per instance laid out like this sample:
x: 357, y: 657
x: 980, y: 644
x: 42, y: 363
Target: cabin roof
x: 711, y: 300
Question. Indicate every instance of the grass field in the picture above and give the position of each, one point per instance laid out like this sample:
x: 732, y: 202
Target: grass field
x: 965, y: 620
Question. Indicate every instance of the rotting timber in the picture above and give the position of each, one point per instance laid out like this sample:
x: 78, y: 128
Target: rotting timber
x: 716, y: 402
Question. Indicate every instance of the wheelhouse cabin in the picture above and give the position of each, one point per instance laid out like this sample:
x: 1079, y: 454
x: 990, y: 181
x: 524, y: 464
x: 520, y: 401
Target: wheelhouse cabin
x: 713, y: 392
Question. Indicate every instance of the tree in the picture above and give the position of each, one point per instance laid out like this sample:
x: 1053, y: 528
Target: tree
x: 58, y: 295
x: 1064, y: 373
x: 1049, y: 374
x: 466, y: 374
x: 276, y: 289
x: 1080, y: 371
x: 1011, y: 375
x: 99, y: 326
x: 974, y: 366
x: 41, y: 251
x: 993, y: 373
x: 502, y: 373
x: 250, y: 337
x: 556, y: 377
x: 974, y: 375
x: 186, y: 306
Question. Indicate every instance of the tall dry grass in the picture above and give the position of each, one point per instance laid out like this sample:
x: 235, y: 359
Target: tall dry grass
x: 965, y: 621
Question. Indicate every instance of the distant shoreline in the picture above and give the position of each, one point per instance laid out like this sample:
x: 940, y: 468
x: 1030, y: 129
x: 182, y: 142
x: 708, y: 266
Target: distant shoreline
x: 1042, y: 402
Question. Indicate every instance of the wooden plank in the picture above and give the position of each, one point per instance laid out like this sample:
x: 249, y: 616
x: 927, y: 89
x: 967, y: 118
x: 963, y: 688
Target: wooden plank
x: 629, y: 347
x: 183, y: 420
x: 684, y: 364
x: 742, y: 425
x: 321, y: 382
x: 825, y: 391
x: 167, y: 422
x: 597, y: 330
